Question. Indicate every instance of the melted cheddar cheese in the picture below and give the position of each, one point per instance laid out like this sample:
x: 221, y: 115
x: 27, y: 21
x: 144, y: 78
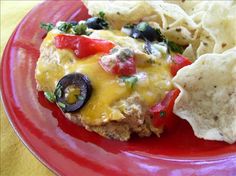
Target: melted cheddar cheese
x: 153, y: 79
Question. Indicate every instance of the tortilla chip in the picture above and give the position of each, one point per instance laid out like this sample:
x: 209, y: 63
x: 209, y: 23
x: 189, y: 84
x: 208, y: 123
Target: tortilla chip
x: 174, y: 23
x: 195, y: 9
x: 120, y: 13
x: 208, y: 96
x: 220, y: 22
x: 172, y: 13
x: 208, y: 26
x: 204, y: 43
x: 180, y: 35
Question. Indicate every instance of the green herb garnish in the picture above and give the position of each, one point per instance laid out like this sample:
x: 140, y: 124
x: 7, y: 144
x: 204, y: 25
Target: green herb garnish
x: 64, y: 27
x: 101, y: 14
x: 79, y: 29
x: 162, y: 113
x: 62, y: 105
x: 58, y: 91
x: 172, y: 46
x: 50, y: 96
x: 46, y: 26
x: 130, y: 81
x: 142, y: 26
x: 72, y: 28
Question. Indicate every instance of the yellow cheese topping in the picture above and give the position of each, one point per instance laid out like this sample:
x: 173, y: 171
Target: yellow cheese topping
x: 108, y: 89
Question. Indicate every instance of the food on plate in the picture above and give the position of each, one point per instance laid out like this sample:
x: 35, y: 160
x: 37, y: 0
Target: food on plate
x: 104, y: 81
x: 208, y: 96
x: 113, y: 73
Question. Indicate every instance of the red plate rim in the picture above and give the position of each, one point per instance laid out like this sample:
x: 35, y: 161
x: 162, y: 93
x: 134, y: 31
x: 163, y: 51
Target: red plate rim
x: 229, y: 158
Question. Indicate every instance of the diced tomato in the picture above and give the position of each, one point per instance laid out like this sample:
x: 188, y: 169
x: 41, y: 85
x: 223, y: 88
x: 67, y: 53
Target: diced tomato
x: 119, y: 67
x: 83, y: 46
x: 162, y: 112
x: 178, y: 62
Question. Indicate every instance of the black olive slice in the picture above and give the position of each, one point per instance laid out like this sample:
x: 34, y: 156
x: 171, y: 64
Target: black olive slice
x: 150, y: 33
x: 96, y: 23
x: 148, y: 47
x: 144, y: 31
x: 136, y: 33
x: 76, y: 84
x: 73, y: 23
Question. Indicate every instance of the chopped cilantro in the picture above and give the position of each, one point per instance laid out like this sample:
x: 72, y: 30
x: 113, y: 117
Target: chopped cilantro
x: 79, y: 29
x: 73, y: 28
x: 162, y: 113
x: 62, y: 105
x: 50, y: 96
x: 64, y: 27
x: 174, y: 47
x: 58, y: 91
x: 142, y: 26
x: 46, y: 26
x: 130, y: 81
x: 101, y: 14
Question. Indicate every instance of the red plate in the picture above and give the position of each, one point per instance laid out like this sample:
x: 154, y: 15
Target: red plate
x: 71, y: 150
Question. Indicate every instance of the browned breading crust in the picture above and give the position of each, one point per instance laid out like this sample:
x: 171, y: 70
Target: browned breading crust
x: 136, y: 120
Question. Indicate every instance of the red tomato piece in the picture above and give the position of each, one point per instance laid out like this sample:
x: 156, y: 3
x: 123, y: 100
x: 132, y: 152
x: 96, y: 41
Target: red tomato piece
x: 162, y: 112
x: 119, y: 67
x: 83, y: 46
x: 178, y: 62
